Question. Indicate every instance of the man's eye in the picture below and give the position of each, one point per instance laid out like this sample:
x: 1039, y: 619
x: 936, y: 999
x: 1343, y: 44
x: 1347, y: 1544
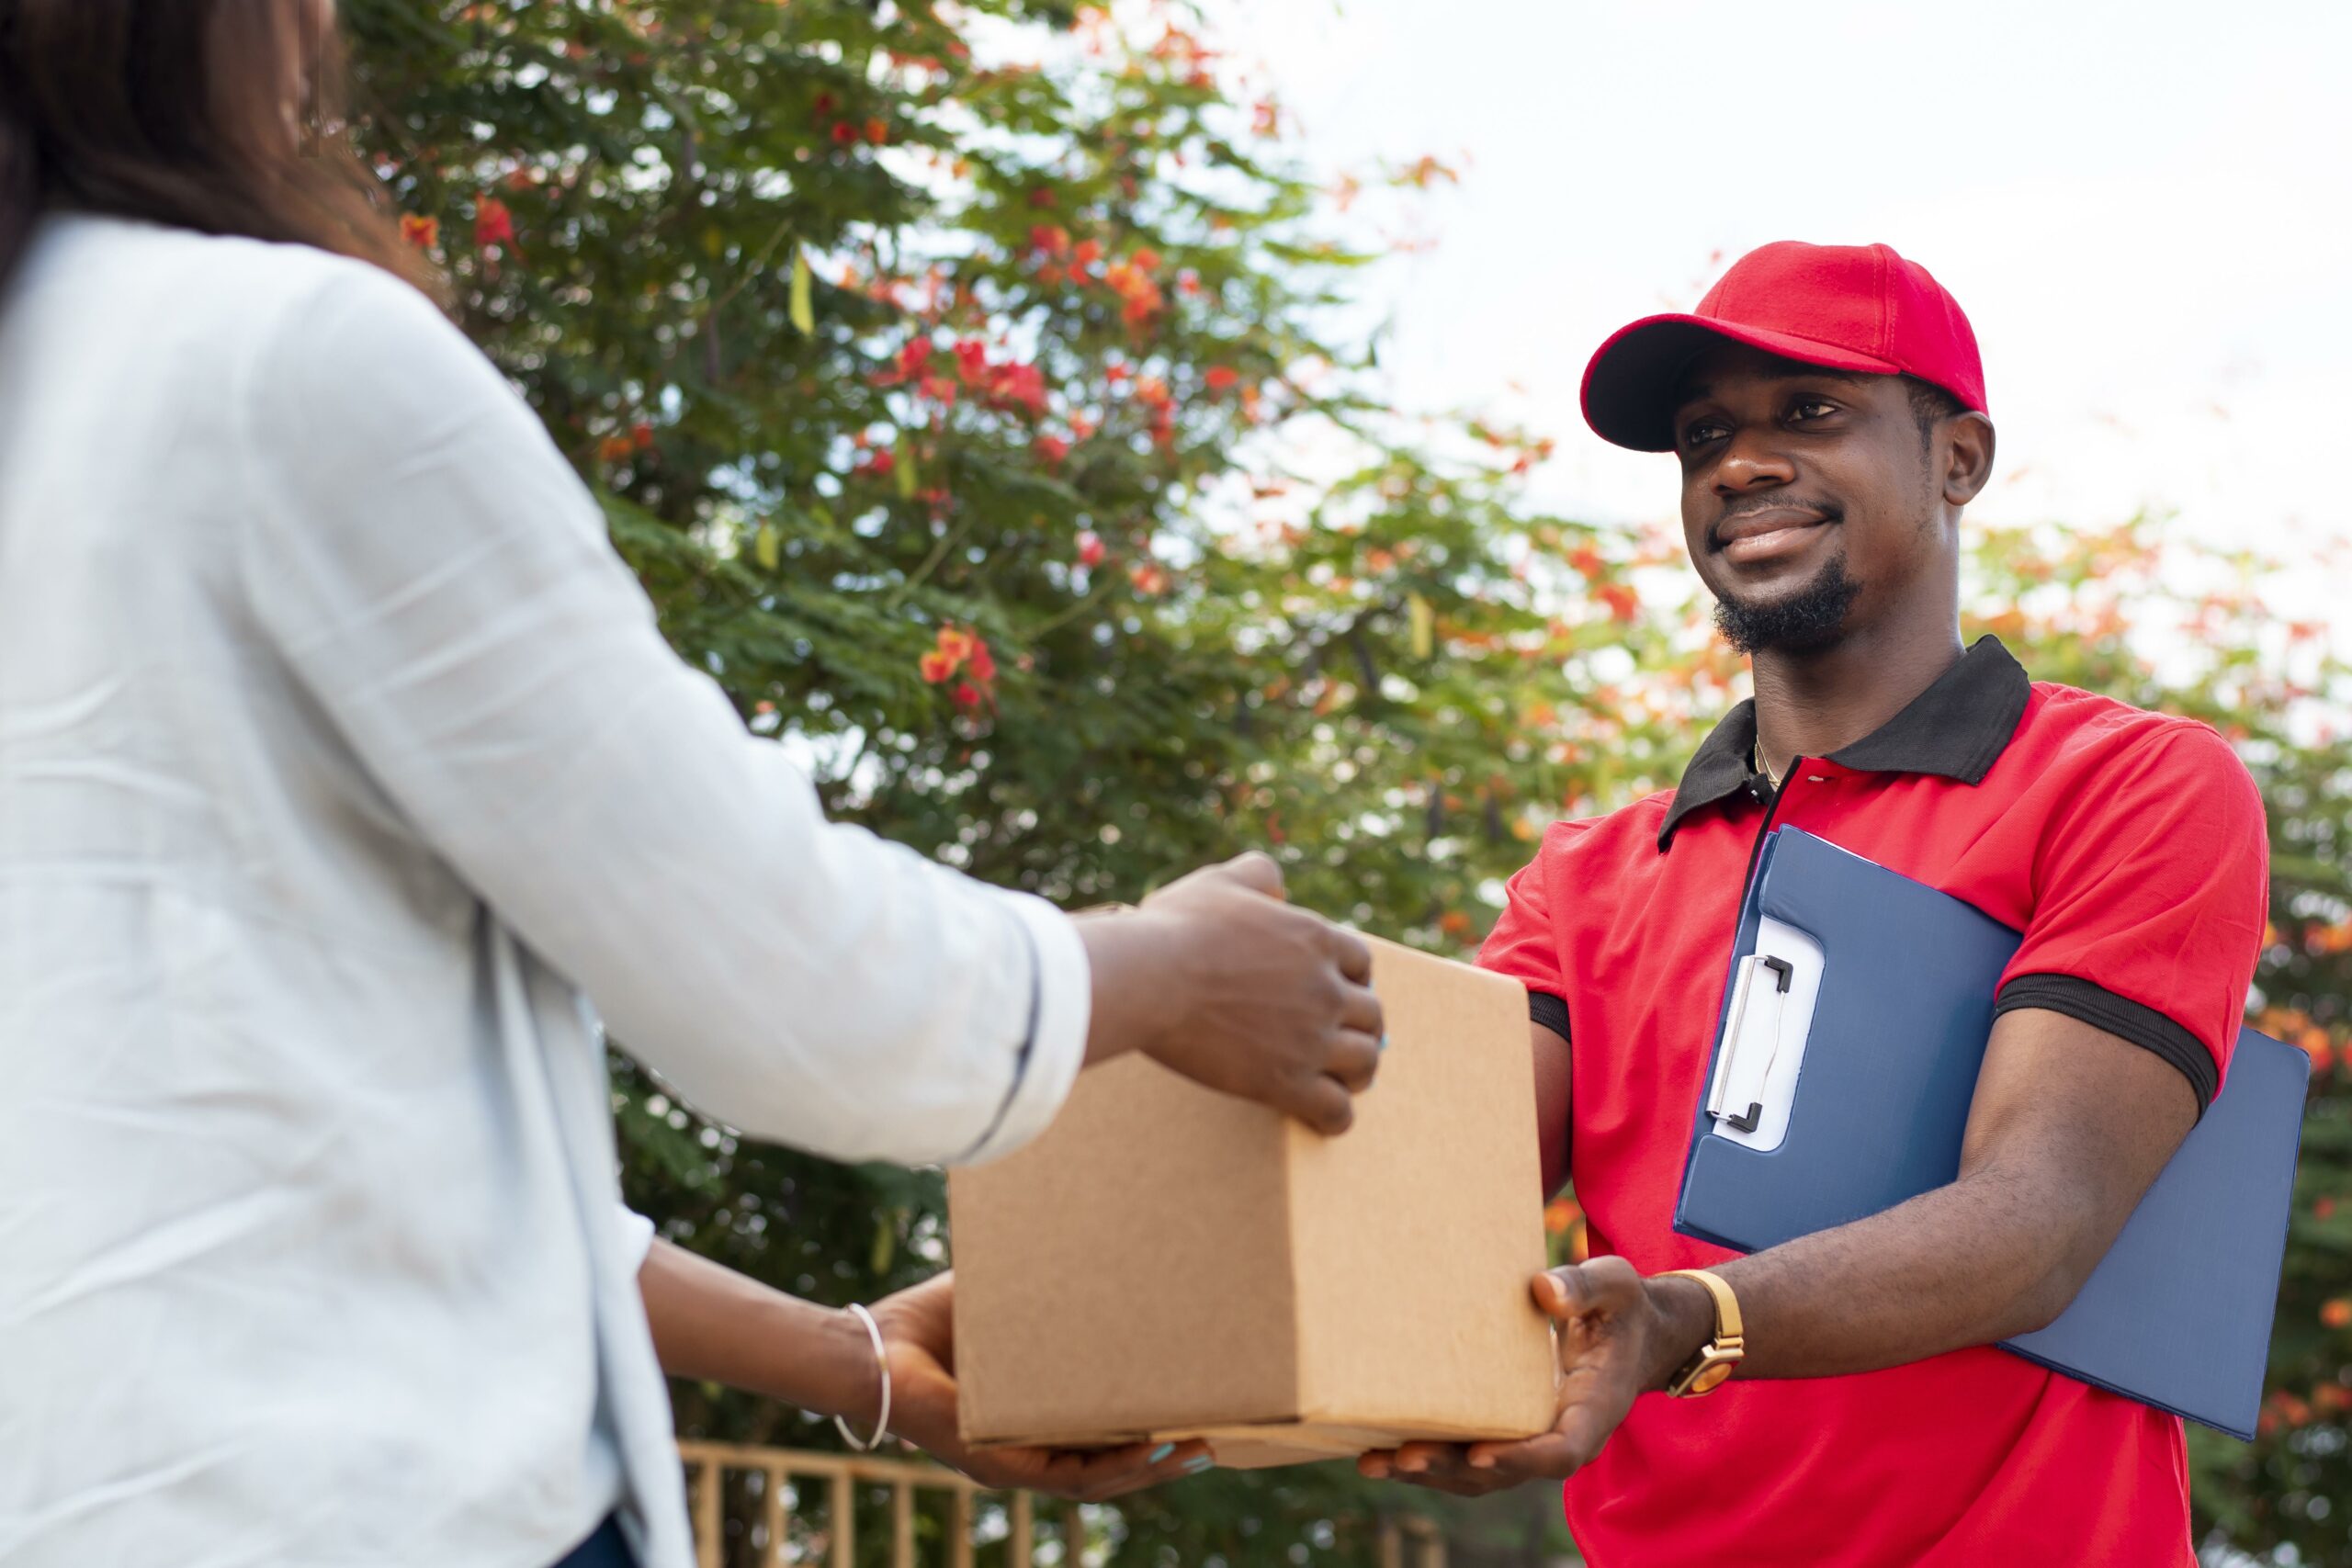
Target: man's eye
x: 1814, y: 407
x: 1701, y: 433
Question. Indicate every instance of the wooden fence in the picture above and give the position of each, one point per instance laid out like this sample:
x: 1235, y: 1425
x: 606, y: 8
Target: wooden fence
x: 769, y: 1483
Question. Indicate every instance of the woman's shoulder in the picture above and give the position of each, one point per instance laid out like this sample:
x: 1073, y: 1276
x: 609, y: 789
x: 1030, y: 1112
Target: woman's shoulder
x: 215, y: 303
x: 211, y: 275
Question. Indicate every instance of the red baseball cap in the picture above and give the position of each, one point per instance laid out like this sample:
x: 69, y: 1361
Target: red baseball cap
x: 1845, y: 307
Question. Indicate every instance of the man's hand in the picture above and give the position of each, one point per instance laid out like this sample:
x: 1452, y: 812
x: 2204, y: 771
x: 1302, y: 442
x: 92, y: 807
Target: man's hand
x: 919, y: 1329
x: 1620, y: 1336
x: 1219, y: 979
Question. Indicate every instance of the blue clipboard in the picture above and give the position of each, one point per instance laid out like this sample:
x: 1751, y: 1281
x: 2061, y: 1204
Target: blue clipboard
x: 1839, y: 1086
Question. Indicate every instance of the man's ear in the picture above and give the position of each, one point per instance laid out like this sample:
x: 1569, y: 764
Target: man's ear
x: 1967, y: 450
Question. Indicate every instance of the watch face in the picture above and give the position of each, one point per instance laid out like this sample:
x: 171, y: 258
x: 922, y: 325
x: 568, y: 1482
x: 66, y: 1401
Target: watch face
x: 1711, y: 1377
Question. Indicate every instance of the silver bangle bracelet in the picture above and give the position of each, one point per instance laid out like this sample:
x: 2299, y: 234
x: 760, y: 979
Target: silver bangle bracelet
x: 882, y: 1363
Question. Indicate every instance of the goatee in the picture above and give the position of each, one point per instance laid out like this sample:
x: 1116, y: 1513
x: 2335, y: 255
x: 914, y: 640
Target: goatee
x: 1807, y: 620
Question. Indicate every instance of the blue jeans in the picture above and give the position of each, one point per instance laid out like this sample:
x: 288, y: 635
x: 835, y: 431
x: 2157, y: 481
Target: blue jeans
x: 605, y: 1549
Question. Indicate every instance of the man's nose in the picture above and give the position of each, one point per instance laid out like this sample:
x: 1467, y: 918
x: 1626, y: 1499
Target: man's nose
x: 1752, y: 460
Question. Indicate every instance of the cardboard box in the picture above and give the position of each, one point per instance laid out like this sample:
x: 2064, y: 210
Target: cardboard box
x: 1169, y: 1262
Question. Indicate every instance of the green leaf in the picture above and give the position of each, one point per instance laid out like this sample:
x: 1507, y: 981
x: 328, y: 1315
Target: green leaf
x: 804, y: 310
x: 905, y: 469
x: 1424, y: 621
x: 764, y: 546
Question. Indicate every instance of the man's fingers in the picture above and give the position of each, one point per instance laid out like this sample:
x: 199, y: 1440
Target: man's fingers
x: 1355, y: 1059
x: 1551, y: 1455
x: 1416, y: 1459
x: 1355, y: 954
x: 1442, y: 1467
x: 1605, y: 1284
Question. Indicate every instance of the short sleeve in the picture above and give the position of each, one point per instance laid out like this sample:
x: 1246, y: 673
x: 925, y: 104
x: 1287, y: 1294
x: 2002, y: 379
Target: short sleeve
x: 1524, y: 946
x: 2149, y: 902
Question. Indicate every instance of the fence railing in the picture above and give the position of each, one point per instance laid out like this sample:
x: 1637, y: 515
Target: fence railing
x: 770, y: 1486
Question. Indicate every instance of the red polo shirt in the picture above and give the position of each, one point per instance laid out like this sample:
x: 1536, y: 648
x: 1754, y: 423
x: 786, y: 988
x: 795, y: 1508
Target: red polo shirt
x: 2130, y: 849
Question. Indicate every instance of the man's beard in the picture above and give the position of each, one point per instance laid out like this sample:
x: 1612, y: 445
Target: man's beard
x: 1807, y: 620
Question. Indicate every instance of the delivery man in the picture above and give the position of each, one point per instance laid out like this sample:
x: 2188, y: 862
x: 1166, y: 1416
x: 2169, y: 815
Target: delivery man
x: 1836, y: 1400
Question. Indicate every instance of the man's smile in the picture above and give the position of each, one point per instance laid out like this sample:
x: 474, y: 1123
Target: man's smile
x: 1768, y: 533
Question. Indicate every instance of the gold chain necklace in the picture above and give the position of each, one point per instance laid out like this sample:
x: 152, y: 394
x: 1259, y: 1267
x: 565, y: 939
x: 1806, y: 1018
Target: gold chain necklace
x: 1764, y: 767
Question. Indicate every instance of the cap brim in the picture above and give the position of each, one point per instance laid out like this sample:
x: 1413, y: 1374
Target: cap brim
x: 1630, y: 384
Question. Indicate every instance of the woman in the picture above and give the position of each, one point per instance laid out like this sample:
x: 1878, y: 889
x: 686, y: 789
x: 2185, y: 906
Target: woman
x: 341, y: 768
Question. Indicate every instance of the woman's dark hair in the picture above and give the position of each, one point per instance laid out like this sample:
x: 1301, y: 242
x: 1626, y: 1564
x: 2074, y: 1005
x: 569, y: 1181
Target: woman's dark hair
x: 223, y: 116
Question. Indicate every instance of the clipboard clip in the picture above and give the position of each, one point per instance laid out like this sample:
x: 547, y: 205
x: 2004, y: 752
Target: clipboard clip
x: 1754, y: 1067
x: 1782, y: 971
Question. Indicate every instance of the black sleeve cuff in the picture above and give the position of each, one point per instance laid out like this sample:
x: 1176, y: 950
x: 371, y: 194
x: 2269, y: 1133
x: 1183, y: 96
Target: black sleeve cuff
x: 1548, y: 1011
x: 2119, y: 1016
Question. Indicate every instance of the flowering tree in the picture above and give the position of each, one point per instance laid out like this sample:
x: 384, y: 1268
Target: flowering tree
x: 938, y: 369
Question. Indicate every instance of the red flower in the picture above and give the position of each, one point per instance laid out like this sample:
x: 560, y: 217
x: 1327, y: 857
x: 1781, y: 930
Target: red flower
x: 1050, y: 276
x: 956, y: 645
x: 493, y: 224
x: 1622, y: 602
x: 1188, y: 281
x: 1022, y: 386
x: 641, y: 435
x: 936, y: 667
x: 1050, y: 238
x: 1144, y: 259
x: 1089, y: 252
x: 423, y: 232
x: 1220, y: 378
x: 1147, y: 579
x: 983, y: 663
x: 615, y: 448
x: 2336, y: 1314
x: 877, y: 132
x: 844, y: 132
x: 1051, y: 449
x: 967, y: 696
x: 823, y: 104
x: 1090, y: 549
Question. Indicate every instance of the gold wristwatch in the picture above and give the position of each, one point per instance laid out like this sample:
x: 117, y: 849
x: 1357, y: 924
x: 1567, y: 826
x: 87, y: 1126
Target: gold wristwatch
x: 1711, y: 1363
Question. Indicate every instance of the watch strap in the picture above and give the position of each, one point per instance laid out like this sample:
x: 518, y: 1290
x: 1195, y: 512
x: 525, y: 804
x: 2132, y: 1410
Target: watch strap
x: 1727, y: 1323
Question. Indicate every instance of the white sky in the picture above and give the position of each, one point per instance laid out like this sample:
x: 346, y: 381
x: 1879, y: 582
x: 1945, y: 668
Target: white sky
x: 2145, y: 210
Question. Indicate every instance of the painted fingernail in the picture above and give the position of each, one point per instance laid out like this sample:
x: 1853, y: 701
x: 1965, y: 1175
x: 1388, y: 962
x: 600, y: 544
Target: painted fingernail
x: 1199, y: 1463
x: 1161, y: 1452
x: 1383, y: 1041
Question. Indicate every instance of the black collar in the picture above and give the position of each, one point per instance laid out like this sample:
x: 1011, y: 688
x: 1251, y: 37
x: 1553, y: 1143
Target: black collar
x: 1955, y: 729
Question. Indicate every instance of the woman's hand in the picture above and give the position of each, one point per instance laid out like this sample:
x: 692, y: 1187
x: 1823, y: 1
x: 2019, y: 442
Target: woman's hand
x: 1218, y: 978
x: 918, y: 1330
